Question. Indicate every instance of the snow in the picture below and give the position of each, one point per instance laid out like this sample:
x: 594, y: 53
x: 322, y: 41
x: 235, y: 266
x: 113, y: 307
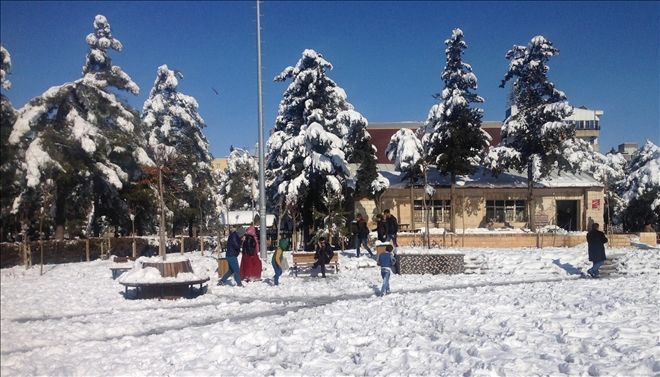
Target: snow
x: 5, y: 67
x: 36, y: 160
x: 525, y: 313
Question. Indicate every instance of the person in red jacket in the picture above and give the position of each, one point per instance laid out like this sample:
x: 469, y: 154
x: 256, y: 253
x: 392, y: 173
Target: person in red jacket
x: 250, y: 261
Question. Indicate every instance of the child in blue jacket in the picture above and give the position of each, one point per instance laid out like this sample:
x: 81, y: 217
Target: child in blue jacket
x: 386, y: 262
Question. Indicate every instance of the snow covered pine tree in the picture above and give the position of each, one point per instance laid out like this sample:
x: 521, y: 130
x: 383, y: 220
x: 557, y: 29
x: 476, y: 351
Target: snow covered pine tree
x: 180, y: 150
x: 85, y: 139
x: 533, y: 136
x: 453, y: 138
x: 305, y: 160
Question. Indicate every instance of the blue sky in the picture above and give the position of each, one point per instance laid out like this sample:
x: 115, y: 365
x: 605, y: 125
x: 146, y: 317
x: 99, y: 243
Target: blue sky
x: 386, y: 55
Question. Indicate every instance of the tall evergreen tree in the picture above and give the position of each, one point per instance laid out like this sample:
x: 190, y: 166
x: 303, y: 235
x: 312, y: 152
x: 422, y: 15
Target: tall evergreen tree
x: 305, y: 159
x: 10, y: 155
x: 173, y: 123
x: 640, y: 189
x: 453, y: 139
x: 85, y: 139
x: 406, y: 151
x: 533, y: 136
x: 360, y: 151
x: 238, y: 182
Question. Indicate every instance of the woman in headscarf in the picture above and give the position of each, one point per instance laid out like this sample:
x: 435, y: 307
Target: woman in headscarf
x: 250, y: 261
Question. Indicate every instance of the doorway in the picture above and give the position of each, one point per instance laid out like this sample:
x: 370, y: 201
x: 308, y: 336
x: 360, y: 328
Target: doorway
x: 567, y: 214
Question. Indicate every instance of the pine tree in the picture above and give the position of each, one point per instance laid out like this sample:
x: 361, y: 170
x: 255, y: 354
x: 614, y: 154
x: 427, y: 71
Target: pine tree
x: 10, y: 154
x: 406, y: 151
x: 453, y: 139
x: 238, y: 183
x: 85, y: 139
x: 180, y: 150
x: 640, y: 189
x: 533, y: 136
x: 360, y: 151
x: 305, y: 159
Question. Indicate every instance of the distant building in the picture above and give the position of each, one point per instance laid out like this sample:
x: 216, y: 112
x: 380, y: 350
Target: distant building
x: 586, y: 122
x: 570, y: 201
x: 627, y: 150
x: 382, y: 132
x: 219, y: 163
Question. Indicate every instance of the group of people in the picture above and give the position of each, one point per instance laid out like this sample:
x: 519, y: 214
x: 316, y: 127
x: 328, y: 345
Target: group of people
x: 387, y: 228
x: 244, y: 242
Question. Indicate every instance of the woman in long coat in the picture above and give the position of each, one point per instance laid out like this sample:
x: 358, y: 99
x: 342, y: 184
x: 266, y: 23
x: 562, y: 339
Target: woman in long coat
x: 250, y: 261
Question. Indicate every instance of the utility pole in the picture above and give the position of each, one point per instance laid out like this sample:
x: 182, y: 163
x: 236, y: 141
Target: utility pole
x: 262, y: 184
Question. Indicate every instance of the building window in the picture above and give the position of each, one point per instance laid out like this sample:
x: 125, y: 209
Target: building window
x: 506, y: 210
x: 439, y: 211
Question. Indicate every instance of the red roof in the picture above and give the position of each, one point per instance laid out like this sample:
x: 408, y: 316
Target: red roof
x: 380, y: 136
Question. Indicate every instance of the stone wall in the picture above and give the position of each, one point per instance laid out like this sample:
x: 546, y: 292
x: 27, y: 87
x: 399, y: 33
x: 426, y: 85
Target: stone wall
x: 431, y: 263
x: 507, y: 240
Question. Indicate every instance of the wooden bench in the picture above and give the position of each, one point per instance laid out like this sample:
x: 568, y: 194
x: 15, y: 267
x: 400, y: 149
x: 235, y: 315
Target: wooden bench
x: 307, y: 260
x: 160, y: 287
x: 117, y: 271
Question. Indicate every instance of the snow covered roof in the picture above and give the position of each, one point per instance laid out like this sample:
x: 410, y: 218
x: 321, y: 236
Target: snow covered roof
x: 483, y: 178
x: 244, y: 218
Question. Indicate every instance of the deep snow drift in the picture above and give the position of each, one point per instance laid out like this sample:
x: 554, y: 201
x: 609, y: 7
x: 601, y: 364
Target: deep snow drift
x: 526, y: 313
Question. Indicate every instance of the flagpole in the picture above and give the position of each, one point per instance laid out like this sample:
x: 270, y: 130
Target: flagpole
x: 262, y: 185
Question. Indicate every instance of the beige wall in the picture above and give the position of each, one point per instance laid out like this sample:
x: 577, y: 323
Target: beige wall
x: 473, y: 211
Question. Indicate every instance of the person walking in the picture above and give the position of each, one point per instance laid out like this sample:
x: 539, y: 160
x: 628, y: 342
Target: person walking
x: 596, y: 241
x: 277, y: 259
x: 362, y: 238
x: 392, y: 227
x: 250, y: 261
x: 233, y: 249
x: 381, y: 228
x: 323, y: 255
x: 386, y: 263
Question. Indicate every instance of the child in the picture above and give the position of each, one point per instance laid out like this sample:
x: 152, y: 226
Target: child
x: 277, y: 259
x: 386, y: 263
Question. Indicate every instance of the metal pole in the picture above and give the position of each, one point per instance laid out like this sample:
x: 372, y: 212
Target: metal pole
x: 262, y: 185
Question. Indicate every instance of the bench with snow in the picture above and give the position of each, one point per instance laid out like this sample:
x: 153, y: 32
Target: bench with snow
x: 165, y: 289
x: 117, y: 270
x: 301, y: 259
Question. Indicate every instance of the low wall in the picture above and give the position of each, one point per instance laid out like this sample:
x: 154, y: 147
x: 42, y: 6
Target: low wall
x: 431, y: 263
x: 503, y: 240
x: 76, y: 250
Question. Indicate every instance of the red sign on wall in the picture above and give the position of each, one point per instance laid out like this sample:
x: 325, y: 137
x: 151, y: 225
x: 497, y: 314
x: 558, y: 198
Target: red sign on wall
x: 595, y: 204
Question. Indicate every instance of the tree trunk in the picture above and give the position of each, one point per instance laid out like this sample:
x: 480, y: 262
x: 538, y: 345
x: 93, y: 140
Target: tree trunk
x: 530, y: 198
x: 452, y: 204
x: 60, y: 214
x: 161, y: 228
x: 412, y: 206
x: 279, y: 220
x: 426, y: 211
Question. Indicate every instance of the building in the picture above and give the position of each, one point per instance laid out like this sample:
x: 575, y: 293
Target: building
x: 219, y: 163
x: 382, y: 132
x: 572, y: 202
x: 627, y: 150
x: 586, y: 122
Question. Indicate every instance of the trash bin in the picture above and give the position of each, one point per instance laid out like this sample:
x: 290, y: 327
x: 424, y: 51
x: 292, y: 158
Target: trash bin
x: 223, y: 266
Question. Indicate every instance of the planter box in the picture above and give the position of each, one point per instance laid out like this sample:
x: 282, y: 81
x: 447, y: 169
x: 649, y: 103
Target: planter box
x: 434, y: 264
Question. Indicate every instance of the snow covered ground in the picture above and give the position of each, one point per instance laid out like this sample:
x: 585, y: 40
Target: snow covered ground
x: 526, y: 313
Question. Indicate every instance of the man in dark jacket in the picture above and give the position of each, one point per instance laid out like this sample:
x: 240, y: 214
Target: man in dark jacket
x: 392, y: 226
x: 596, y: 241
x: 233, y: 249
x: 362, y: 238
x: 323, y: 255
